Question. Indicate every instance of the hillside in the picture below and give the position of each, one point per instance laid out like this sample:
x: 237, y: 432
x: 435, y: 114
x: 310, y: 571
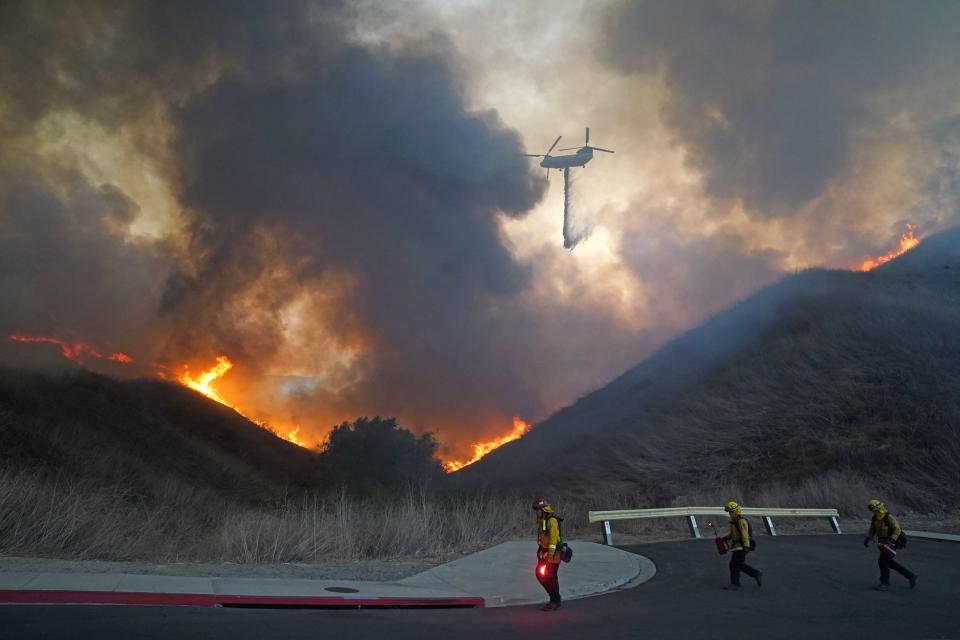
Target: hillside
x: 139, y: 434
x: 825, y: 386
x: 96, y: 467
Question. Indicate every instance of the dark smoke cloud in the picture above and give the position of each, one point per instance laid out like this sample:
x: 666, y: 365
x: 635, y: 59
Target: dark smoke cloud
x: 308, y: 168
x: 112, y: 61
x: 770, y: 98
x: 63, y: 271
x: 377, y: 162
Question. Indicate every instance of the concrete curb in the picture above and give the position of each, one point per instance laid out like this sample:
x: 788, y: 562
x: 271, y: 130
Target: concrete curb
x: 51, y: 596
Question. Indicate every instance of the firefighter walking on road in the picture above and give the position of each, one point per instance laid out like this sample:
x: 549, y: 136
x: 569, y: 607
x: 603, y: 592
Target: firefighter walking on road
x: 741, y: 542
x: 890, y: 537
x: 548, y: 560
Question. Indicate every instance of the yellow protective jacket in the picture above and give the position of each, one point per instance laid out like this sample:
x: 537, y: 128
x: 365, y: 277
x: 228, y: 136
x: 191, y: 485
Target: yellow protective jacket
x: 884, y: 527
x: 548, y: 535
x: 739, y: 534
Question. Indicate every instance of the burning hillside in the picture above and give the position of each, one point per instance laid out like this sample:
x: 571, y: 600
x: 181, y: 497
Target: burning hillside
x: 206, y: 381
x: 907, y: 242
x: 480, y: 449
x: 73, y: 349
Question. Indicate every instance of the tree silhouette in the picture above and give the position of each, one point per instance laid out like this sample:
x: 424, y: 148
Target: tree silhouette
x: 372, y: 453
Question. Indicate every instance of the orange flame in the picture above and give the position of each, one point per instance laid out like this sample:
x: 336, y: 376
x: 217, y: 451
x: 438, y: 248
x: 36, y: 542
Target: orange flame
x: 75, y: 351
x: 907, y: 241
x: 292, y: 437
x: 203, y: 383
x: 481, y: 449
x: 205, y: 379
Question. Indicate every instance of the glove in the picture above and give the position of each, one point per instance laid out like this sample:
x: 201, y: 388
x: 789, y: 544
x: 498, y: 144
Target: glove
x: 866, y: 542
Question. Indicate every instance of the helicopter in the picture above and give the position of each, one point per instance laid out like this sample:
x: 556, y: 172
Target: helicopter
x: 583, y: 155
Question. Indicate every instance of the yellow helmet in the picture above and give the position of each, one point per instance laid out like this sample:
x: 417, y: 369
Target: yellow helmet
x: 876, y: 506
x: 732, y: 508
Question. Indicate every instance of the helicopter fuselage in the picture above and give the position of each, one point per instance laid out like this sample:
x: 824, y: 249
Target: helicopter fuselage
x: 578, y: 159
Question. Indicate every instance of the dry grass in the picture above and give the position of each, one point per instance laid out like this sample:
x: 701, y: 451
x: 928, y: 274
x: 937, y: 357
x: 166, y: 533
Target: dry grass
x: 47, y: 517
x: 50, y: 518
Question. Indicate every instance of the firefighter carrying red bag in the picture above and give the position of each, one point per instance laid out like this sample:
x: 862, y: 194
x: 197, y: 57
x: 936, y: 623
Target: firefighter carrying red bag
x: 740, y: 541
x: 890, y: 537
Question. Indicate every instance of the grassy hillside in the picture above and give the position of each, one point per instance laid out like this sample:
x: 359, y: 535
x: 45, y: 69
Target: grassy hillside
x: 95, y: 468
x: 139, y: 434
x: 822, y: 389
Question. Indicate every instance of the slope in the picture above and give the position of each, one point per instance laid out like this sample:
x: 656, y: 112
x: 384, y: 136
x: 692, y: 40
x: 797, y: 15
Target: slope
x: 91, y: 428
x: 828, y: 383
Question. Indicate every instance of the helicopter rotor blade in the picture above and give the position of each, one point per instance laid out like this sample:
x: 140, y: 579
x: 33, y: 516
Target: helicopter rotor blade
x: 553, y: 145
x: 568, y: 149
x: 586, y: 142
x: 604, y: 150
x: 534, y: 155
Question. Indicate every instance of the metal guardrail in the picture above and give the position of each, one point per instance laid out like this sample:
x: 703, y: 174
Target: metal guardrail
x: 691, y: 513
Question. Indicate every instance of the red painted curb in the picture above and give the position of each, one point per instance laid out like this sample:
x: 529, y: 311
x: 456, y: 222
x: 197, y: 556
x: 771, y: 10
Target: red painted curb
x: 47, y: 596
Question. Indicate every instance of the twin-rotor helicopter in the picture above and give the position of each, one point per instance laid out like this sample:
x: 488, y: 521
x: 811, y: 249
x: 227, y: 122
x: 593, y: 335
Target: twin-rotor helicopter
x: 583, y: 155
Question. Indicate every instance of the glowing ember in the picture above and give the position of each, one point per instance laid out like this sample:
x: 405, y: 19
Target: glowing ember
x: 203, y: 382
x: 907, y: 241
x: 75, y: 351
x: 481, y: 449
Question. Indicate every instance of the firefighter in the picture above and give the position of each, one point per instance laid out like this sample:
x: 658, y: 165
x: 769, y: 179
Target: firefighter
x: 548, y: 560
x: 885, y: 528
x: 740, y: 544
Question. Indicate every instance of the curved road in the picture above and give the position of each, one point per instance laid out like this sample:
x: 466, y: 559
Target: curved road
x: 814, y: 587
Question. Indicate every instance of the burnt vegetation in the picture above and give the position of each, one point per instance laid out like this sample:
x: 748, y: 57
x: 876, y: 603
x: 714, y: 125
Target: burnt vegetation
x: 822, y: 390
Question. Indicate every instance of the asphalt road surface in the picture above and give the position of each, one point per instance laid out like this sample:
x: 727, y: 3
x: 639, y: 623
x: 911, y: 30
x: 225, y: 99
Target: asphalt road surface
x: 814, y: 587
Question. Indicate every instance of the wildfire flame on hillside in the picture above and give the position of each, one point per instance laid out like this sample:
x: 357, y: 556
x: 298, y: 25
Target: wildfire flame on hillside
x: 481, y: 449
x: 294, y: 438
x: 75, y: 351
x: 203, y: 383
x: 907, y: 241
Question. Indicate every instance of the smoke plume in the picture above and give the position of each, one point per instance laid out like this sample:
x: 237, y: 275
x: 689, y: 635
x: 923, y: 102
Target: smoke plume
x: 327, y: 216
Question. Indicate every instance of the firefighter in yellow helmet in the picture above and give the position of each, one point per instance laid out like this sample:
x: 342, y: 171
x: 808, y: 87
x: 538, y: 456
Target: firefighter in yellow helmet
x: 741, y: 543
x: 548, y: 560
x: 885, y: 528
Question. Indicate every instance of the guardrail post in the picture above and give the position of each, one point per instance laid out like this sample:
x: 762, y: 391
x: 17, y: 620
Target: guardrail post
x: 768, y: 523
x: 835, y: 524
x: 606, y: 532
x: 694, y: 529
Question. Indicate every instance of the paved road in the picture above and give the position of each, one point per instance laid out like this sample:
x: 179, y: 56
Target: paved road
x: 814, y: 587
